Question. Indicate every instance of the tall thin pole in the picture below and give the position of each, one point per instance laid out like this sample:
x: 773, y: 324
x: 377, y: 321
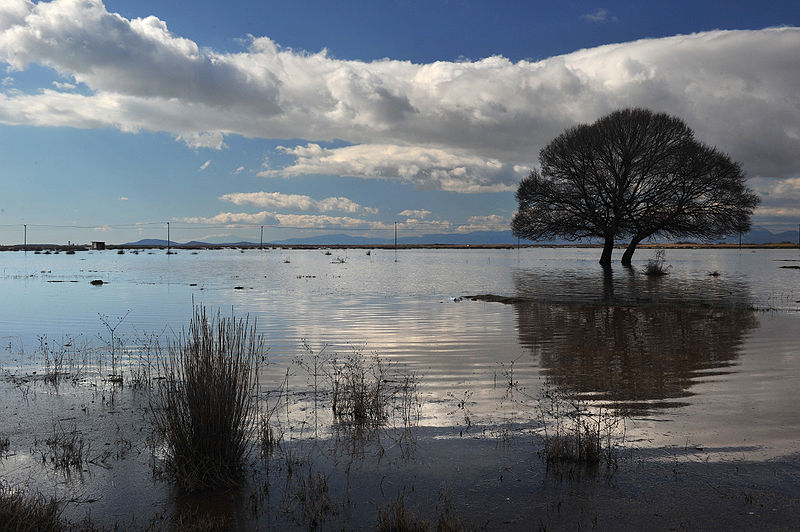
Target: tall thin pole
x: 168, y: 238
x: 395, y: 236
x: 261, y: 242
x: 25, y: 237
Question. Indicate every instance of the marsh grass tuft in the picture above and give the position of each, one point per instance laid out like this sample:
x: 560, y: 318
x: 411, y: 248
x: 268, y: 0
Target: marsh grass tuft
x: 576, y: 433
x: 398, y: 517
x: 21, y: 511
x: 205, y: 408
x: 67, y: 450
x: 655, y: 264
x: 5, y: 443
x: 359, y: 390
x: 314, y: 499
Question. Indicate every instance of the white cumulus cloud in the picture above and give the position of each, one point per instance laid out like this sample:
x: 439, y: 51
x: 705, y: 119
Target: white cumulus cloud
x: 302, y: 221
x: 419, y: 214
x: 425, y: 168
x: 458, y: 126
x: 278, y: 200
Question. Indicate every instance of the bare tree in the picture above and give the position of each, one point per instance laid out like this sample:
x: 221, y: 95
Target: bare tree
x: 634, y: 174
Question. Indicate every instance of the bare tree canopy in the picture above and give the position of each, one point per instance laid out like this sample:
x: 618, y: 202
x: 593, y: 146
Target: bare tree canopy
x: 632, y: 174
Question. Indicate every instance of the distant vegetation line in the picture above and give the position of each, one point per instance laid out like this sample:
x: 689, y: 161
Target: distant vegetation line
x: 757, y: 236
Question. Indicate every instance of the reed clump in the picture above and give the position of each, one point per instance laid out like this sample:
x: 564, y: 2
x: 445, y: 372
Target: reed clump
x: 576, y: 433
x: 655, y: 264
x: 205, y: 407
x: 28, y: 512
x: 359, y: 393
x: 67, y: 450
x: 398, y: 517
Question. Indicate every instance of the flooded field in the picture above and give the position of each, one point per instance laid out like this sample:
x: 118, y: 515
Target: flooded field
x: 690, y: 379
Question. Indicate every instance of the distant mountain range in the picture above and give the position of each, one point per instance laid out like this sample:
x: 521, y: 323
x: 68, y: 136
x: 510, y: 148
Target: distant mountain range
x: 758, y: 235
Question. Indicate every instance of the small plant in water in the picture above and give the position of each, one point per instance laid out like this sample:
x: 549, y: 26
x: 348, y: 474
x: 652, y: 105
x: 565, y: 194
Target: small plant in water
x: 115, y: 344
x: 576, y: 432
x: 67, y: 450
x: 655, y: 264
x: 359, y: 390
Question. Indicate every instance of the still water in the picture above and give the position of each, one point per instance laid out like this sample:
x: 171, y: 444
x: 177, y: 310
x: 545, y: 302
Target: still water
x: 692, y: 358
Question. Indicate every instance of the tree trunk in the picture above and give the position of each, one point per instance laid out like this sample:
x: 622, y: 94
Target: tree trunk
x: 628, y: 255
x: 608, y: 246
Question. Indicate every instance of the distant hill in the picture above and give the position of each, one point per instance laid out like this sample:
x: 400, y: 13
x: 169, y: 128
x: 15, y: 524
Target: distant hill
x: 474, y: 238
x: 145, y: 242
x: 758, y: 235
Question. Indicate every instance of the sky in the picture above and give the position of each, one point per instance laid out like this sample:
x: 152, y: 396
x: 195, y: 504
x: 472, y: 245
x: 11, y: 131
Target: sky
x: 304, y: 117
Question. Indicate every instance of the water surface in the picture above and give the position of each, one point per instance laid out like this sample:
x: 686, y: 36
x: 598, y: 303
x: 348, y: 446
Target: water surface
x: 685, y: 355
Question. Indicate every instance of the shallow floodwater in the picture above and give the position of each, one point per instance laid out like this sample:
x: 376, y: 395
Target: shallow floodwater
x: 686, y: 346
x: 693, y: 360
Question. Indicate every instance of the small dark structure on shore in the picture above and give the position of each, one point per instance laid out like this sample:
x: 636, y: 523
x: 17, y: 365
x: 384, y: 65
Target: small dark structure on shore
x: 98, y: 245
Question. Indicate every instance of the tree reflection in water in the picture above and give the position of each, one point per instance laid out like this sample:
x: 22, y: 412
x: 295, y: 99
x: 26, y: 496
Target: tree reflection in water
x: 634, y: 341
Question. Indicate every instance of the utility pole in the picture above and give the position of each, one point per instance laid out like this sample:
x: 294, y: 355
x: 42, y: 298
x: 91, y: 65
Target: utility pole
x: 395, y: 241
x: 261, y: 242
x: 168, y: 252
x: 25, y: 237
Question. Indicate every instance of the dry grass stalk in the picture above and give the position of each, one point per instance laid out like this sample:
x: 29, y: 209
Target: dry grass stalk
x: 205, y: 408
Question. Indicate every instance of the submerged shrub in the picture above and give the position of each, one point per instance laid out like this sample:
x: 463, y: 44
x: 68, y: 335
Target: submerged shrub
x: 205, y: 409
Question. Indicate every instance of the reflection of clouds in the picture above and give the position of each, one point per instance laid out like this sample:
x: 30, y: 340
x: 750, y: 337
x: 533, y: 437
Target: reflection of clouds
x: 632, y: 353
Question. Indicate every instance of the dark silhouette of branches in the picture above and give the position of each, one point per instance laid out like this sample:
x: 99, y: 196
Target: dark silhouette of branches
x: 632, y: 174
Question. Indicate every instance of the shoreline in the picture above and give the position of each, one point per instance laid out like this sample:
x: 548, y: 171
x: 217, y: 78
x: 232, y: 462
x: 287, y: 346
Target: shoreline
x: 270, y: 246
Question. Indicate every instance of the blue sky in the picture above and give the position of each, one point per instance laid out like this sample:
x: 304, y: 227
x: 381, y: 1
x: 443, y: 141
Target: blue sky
x: 118, y: 116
